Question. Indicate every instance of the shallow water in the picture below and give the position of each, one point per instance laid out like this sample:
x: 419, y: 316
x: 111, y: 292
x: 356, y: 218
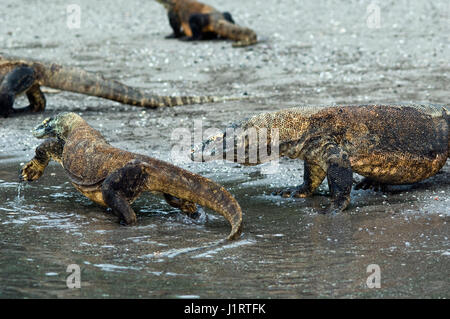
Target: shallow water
x: 327, y: 55
x: 287, y: 250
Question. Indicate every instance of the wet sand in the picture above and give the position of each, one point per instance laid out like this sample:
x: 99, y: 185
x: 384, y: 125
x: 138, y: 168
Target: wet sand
x: 314, y: 54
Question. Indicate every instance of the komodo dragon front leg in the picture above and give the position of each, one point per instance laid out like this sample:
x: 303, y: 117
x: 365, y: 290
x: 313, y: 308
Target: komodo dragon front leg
x: 175, y: 24
x: 340, y: 179
x: 21, y: 79
x: 332, y: 163
x: 124, y: 185
x: 50, y: 149
x: 313, y: 176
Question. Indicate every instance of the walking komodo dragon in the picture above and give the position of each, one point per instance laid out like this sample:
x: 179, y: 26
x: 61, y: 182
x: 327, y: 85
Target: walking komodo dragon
x: 387, y: 144
x: 193, y: 20
x: 115, y: 178
x: 18, y: 76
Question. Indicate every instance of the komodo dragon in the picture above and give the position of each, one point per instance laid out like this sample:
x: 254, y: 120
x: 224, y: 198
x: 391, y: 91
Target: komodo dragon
x: 19, y: 76
x: 115, y: 178
x: 387, y: 144
x: 198, y: 21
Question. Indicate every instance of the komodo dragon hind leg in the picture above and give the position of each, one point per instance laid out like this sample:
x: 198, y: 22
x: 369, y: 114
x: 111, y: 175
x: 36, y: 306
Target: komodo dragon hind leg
x: 126, y: 184
x: 122, y: 187
x: 189, y: 208
x: 36, y: 99
x: 367, y: 183
x: 197, y: 22
x: 313, y: 176
x: 17, y: 81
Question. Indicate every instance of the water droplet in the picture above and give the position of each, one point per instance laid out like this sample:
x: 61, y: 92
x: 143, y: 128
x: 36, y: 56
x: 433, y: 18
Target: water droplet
x: 20, y: 197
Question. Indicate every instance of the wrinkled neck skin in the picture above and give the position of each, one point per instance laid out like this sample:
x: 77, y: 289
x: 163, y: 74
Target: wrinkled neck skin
x: 260, y: 139
x: 287, y: 130
x: 68, y: 125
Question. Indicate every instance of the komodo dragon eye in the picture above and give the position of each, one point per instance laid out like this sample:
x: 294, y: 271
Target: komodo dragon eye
x: 47, y: 123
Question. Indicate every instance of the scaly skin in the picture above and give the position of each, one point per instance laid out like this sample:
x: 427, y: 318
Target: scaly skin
x: 387, y: 144
x: 197, y: 21
x: 115, y: 178
x: 18, y: 76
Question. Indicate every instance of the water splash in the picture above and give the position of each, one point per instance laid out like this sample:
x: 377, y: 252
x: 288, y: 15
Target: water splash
x: 20, y: 194
x: 201, y: 218
x: 211, y: 252
x: 209, y: 249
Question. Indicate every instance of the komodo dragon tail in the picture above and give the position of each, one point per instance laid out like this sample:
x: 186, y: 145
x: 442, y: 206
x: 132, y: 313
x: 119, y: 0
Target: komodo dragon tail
x: 80, y: 81
x: 166, y: 178
x: 243, y: 36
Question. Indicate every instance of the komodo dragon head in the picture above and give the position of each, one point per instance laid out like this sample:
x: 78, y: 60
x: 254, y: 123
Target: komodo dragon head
x: 243, y: 142
x: 58, y: 126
